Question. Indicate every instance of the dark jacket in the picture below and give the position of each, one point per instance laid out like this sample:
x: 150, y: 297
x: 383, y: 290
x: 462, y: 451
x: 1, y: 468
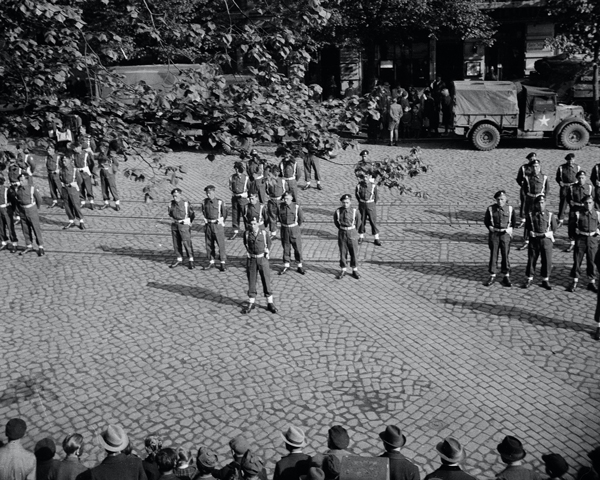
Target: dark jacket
x: 401, y: 468
x: 151, y: 468
x: 449, y: 472
x: 68, y: 469
x: 118, y: 466
x: 292, y: 466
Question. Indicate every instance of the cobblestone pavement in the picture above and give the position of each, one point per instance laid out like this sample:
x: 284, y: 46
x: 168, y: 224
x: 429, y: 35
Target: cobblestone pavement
x: 101, y: 330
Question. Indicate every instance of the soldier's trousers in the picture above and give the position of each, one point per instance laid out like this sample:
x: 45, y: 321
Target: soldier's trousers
x: 70, y: 197
x: 368, y: 210
x: 584, y: 247
x: 348, y: 244
x: 271, y: 216
x: 84, y: 182
x: 108, y: 184
x: 312, y: 162
x: 30, y: 222
x: 237, y: 210
x: 254, y: 267
x: 291, y: 237
x: 7, y: 226
x: 182, y: 238
x: 214, y: 234
x: 539, y: 247
x: 499, y: 242
x: 55, y: 186
x: 259, y: 187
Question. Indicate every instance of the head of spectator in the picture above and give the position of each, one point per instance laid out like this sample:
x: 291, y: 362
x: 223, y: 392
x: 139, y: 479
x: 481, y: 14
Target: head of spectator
x: 393, y: 438
x: 332, y: 467
x: 511, y: 450
x: 166, y: 460
x: 128, y: 450
x: 251, y: 465
x: 239, y: 446
x: 73, y: 445
x: 15, y: 429
x: 294, y: 439
x: 152, y: 443
x: 113, y: 439
x: 206, y: 461
x: 337, y: 438
x: 184, y: 458
x: 317, y: 460
x: 44, y: 450
x: 313, y: 474
x: 555, y: 464
x: 594, y: 456
x: 450, y: 451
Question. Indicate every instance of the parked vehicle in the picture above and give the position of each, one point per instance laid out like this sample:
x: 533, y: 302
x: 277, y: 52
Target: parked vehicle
x: 485, y: 111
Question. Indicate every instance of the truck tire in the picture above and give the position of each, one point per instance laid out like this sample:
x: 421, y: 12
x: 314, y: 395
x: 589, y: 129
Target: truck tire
x: 574, y: 136
x: 485, y: 137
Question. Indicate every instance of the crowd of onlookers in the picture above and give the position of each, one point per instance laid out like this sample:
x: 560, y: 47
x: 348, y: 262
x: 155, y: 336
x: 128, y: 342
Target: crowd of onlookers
x: 335, y: 463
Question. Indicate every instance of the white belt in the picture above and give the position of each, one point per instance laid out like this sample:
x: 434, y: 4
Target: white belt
x: 4, y: 206
x: 289, y: 178
x: 290, y: 225
x: 347, y: 228
x: 276, y: 199
x: 239, y: 194
x: 28, y: 206
x: 534, y: 194
x: 212, y: 221
x: 500, y: 230
x: 367, y: 201
x: 575, y: 204
x: 585, y: 234
x: 544, y: 234
x: 260, y: 255
x: 258, y: 178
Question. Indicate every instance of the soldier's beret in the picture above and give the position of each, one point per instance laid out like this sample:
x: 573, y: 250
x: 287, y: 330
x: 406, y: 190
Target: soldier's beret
x: 239, y: 166
x: 539, y: 198
x: 209, y: 187
x: 534, y: 161
x: 498, y: 193
x: 364, y: 152
x: 570, y: 156
x: 531, y: 155
x: 580, y: 173
x: 345, y: 197
x: 175, y: 190
x: 253, y: 152
x: 288, y: 193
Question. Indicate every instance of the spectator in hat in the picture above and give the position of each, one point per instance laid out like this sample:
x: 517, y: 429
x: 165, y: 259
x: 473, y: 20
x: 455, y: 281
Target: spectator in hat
x: 185, y: 468
x: 512, y: 454
x: 238, y: 446
x: 332, y: 467
x: 116, y: 464
x: 400, y: 467
x: 15, y: 461
x: 71, y: 466
x: 295, y: 463
x: 337, y: 442
x: 46, y: 464
x: 314, y: 473
x: 593, y: 472
x: 152, y: 444
x: 252, y: 467
x: 500, y: 220
x: 166, y: 461
x: 206, y: 461
x: 556, y: 466
x: 451, y: 454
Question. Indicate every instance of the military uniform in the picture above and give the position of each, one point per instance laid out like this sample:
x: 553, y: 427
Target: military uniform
x: 502, y: 220
x: 215, y: 213
x: 565, y: 177
x: 183, y: 215
x: 312, y: 162
x: 256, y: 171
x: 108, y: 165
x: 575, y: 198
x: 52, y: 168
x: 7, y: 223
x: 595, y: 179
x: 291, y: 218
x: 275, y: 190
x: 238, y: 184
x: 27, y: 200
x: 70, y: 191
x: 254, y: 210
x: 584, y: 228
x: 524, y: 171
x: 258, y: 246
x: 533, y: 186
x: 366, y: 193
x: 84, y: 165
x: 541, y: 227
x: 346, y: 220
x: 289, y: 171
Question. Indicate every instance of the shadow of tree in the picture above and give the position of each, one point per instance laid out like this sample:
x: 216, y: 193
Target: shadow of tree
x: 26, y: 387
x: 459, y: 236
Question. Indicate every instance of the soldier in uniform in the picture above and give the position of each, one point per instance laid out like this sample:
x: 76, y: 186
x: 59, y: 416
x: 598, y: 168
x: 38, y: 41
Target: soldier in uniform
x: 364, y: 156
x: 524, y: 171
x: 256, y: 171
x: 254, y: 209
x: 7, y: 223
x: 346, y: 219
x: 275, y: 187
x: 595, y: 179
x: 70, y: 190
x: 312, y: 162
x: 290, y: 219
x: 366, y: 193
x: 500, y: 220
x: 26, y: 164
x: 238, y: 184
x: 27, y: 199
x: 108, y: 165
x: 534, y: 185
x: 53, y: 169
x: 541, y: 226
x: 574, y: 199
x: 84, y: 165
x: 183, y: 215
x: 289, y: 171
x: 584, y: 227
x: 258, y: 246
x: 565, y: 177
x: 214, y: 212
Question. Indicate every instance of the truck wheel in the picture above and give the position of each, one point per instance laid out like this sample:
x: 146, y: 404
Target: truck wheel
x: 485, y: 137
x: 574, y: 136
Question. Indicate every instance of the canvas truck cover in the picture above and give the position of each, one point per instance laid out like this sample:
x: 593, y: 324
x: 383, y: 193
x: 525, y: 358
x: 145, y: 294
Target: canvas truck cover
x: 486, y: 98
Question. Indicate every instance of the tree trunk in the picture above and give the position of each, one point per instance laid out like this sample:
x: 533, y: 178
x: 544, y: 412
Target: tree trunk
x: 595, y: 113
x: 370, y: 66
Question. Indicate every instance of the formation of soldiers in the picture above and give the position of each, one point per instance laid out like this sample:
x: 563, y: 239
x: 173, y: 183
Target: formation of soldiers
x: 579, y: 198
x: 264, y: 196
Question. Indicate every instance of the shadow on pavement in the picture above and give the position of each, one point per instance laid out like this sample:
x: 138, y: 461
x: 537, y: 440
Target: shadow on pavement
x: 471, y: 216
x: 453, y: 237
x: 197, y: 292
x: 518, y: 313
x: 164, y: 256
x: 56, y: 223
x: 319, y: 211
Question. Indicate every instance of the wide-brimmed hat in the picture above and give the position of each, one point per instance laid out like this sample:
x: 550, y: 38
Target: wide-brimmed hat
x: 313, y: 474
x: 338, y: 437
x: 251, y: 464
x: 113, y: 439
x: 239, y: 445
x: 555, y: 464
x: 450, y: 450
x: 294, y: 437
x: 206, y: 458
x: 393, y: 436
x: 511, y: 449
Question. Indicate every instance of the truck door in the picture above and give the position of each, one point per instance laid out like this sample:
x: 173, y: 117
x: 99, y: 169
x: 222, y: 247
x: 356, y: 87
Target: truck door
x: 543, y: 115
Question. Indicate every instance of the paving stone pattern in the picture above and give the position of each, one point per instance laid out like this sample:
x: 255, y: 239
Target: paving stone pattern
x: 101, y: 330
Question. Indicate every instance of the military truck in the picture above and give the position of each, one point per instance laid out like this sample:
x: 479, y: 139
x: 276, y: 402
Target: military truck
x: 485, y: 111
